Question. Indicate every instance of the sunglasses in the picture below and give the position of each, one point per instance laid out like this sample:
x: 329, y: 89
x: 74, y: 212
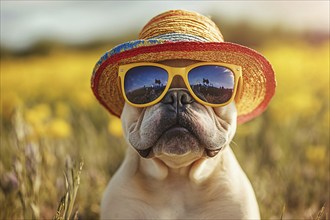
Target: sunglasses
x: 211, y: 84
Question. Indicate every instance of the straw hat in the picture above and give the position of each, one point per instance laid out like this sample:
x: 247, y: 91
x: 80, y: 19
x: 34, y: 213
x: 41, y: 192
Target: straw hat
x: 179, y: 34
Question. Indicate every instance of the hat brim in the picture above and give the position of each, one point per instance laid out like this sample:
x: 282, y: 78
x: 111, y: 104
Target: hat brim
x: 258, y: 75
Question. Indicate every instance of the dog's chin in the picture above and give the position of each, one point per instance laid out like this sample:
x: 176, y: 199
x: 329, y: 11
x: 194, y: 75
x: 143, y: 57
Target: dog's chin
x: 177, y: 161
x: 177, y: 147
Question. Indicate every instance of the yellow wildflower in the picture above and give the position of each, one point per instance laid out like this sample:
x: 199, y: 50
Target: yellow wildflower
x: 59, y: 128
x: 37, y: 115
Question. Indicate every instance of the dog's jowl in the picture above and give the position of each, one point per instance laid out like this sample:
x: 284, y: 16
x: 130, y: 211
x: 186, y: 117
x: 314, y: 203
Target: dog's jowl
x: 180, y: 92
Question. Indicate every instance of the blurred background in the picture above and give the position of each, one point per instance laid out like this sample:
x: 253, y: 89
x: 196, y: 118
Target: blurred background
x: 49, y: 115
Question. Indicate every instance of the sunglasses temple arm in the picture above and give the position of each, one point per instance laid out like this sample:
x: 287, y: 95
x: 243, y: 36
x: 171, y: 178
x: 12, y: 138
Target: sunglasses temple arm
x: 238, y: 94
x: 119, y: 86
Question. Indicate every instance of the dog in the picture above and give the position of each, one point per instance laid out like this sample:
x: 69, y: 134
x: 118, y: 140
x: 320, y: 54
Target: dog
x: 178, y: 164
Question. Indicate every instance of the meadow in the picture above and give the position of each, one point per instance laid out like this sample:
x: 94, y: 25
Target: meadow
x: 51, y: 124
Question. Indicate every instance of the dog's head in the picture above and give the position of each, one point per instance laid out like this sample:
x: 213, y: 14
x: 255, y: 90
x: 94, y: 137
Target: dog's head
x: 179, y: 130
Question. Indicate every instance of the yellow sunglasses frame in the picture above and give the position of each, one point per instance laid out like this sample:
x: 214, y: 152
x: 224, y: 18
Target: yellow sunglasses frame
x: 183, y: 72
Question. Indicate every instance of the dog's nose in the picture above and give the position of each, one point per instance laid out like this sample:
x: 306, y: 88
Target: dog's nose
x: 178, y: 96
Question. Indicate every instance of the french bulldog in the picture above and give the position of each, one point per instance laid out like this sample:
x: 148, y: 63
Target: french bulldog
x: 178, y: 163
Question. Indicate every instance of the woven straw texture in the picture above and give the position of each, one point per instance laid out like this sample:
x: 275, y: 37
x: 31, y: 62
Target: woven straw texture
x: 193, y: 37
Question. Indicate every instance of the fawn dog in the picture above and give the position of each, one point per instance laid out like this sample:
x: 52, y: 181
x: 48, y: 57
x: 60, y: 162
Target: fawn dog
x: 179, y: 163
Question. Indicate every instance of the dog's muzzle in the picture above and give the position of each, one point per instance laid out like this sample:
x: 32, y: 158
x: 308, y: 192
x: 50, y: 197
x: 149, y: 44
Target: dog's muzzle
x: 177, y: 107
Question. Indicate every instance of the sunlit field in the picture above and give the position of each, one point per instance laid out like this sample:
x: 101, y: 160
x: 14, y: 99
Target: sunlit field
x: 49, y: 115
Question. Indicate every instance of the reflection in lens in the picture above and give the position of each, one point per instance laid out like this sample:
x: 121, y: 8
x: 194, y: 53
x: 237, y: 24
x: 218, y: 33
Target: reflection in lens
x: 144, y: 84
x: 211, y: 83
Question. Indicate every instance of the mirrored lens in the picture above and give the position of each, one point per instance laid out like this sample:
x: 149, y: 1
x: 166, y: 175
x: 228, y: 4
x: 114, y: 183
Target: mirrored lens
x: 213, y: 84
x: 144, y: 84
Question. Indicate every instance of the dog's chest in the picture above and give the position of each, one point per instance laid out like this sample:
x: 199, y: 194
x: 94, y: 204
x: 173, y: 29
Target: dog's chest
x: 173, y: 205
x: 175, y: 202
x: 176, y: 199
